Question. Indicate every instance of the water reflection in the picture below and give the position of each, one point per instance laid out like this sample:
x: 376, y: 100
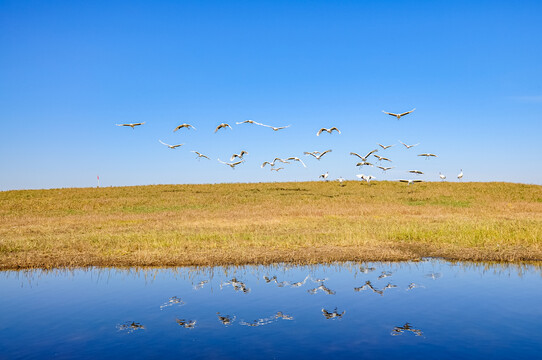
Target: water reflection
x: 288, y: 304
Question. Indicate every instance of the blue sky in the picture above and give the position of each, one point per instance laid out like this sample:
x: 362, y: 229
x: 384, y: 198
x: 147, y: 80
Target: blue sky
x: 71, y: 70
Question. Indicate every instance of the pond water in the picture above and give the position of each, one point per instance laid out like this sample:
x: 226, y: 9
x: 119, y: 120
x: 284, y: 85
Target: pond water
x: 428, y: 309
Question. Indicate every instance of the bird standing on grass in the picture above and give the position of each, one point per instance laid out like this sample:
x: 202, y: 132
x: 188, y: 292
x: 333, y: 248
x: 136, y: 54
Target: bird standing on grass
x: 441, y: 176
x: 460, y: 175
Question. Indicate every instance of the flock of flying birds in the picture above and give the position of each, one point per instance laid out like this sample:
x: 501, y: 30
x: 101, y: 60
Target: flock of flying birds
x: 237, y: 159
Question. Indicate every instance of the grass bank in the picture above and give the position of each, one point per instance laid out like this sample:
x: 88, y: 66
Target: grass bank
x: 307, y: 222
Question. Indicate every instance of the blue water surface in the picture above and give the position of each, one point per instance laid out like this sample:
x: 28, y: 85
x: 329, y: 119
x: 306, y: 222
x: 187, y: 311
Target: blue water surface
x: 428, y: 309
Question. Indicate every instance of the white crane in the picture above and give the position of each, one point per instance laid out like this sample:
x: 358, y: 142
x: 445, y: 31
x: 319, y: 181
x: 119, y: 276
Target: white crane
x: 398, y: 116
x: 364, y: 158
x: 418, y: 172
x: 460, y: 175
x: 277, y: 169
x: 363, y: 163
x: 200, y: 155
x: 409, y: 146
x: 441, y: 176
x: 240, y: 155
x: 170, y: 146
x: 249, y: 122
x: 281, y: 160
x: 427, y: 155
x: 276, y: 128
x: 385, y: 146
x: 328, y: 130
x: 340, y: 179
x: 223, y: 125
x: 385, y: 168
x: 411, y: 181
x: 232, y: 165
x: 366, y: 178
x: 318, y: 157
x: 293, y: 158
x: 324, y: 176
x: 188, y: 126
x: 132, y: 125
x: 380, y: 158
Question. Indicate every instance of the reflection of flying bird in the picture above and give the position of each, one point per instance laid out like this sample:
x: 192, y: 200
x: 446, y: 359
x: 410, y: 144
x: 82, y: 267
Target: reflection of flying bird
x: 399, y: 330
x: 293, y: 158
x: 226, y: 319
x: 223, y: 125
x: 398, y: 116
x: 200, y: 155
x: 188, y: 126
x: 232, y: 165
x: 332, y: 314
x: 170, y: 146
x: 409, y: 146
x: 240, y: 155
x: 434, y: 276
x: 133, y: 125
x: 385, y: 146
x: 328, y: 130
x: 189, y: 324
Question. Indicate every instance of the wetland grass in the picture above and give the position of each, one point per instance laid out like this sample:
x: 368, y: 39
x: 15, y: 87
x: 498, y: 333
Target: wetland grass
x: 302, y: 222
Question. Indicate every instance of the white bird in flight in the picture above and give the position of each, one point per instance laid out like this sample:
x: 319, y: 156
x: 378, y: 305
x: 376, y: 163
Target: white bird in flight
x: 240, y: 155
x: 318, y: 157
x: 232, y: 165
x: 398, y: 116
x: 171, y: 146
x: 427, y: 155
x: 364, y: 158
x: 385, y: 146
x: 293, y: 158
x: 366, y: 178
x: 132, y: 125
x: 276, y: 128
x: 380, y: 158
x: 277, y: 169
x: 324, y: 176
x: 249, y: 122
x: 188, y: 126
x: 363, y: 163
x: 328, y: 130
x: 200, y: 155
x: 223, y: 125
x: 418, y: 172
x: 409, y: 146
x: 385, y: 168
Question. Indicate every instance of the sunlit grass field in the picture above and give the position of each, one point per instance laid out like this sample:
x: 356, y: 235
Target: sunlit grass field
x: 302, y: 222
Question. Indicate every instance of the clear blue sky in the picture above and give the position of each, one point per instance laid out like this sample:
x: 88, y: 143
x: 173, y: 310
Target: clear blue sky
x: 71, y: 70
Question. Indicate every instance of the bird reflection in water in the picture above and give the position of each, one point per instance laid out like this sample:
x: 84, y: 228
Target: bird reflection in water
x: 323, y: 288
x: 226, y: 319
x: 172, y: 301
x: 188, y: 324
x: 200, y: 284
x: 369, y: 285
x: 332, y: 314
x: 399, y: 330
x: 130, y: 327
x: 237, y: 285
x: 267, y: 320
x: 413, y: 286
x: 285, y: 283
x: 384, y: 274
x: 366, y: 270
x: 434, y: 276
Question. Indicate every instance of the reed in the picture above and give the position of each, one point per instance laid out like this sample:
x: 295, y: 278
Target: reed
x: 305, y: 222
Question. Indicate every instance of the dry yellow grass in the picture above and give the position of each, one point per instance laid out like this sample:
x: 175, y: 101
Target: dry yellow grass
x: 305, y: 222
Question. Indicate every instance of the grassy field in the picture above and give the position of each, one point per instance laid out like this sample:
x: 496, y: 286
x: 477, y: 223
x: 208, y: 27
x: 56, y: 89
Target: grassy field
x: 305, y: 222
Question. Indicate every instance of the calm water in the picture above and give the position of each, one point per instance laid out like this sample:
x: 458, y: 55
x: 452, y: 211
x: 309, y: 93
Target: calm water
x: 430, y: 309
